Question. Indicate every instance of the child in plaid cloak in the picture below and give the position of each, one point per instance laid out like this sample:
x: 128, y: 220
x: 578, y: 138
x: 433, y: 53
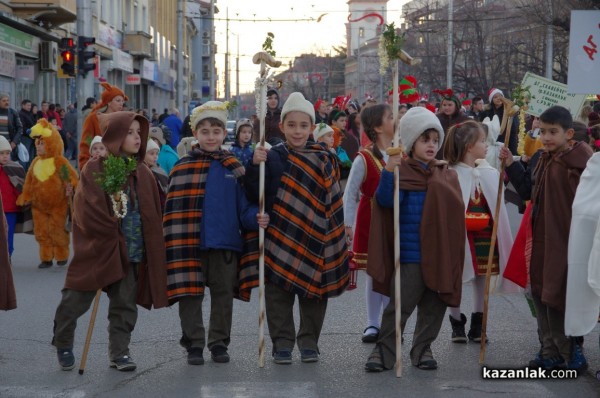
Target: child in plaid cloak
x: 205, y: 211
x: 305, y: 247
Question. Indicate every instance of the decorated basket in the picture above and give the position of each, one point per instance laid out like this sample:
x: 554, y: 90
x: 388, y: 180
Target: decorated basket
x: 476, y: 221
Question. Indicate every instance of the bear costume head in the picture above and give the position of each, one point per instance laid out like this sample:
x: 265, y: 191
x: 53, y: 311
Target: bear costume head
x: 53, y: 143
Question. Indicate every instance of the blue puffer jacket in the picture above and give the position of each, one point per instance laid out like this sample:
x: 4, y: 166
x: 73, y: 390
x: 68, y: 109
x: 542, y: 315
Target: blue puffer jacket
x: 226, y: 211
x: 411, y: 210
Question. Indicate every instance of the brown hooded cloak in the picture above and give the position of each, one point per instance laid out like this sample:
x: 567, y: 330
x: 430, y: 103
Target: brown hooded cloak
x: 100, y: 255
x: 442, y: 232
x: 557, y: 177
x: 8, y: 297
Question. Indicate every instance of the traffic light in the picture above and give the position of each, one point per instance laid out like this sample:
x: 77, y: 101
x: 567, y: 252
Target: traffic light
x: 84, y: 54
x: 67, y: 47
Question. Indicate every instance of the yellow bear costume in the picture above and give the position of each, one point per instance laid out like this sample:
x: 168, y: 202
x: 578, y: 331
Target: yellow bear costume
x: 46, y: 187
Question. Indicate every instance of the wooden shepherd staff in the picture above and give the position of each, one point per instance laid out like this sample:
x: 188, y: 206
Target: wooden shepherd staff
x: 264, y: 59
x: 88, y: 338
x: 397, y: 303
x: 510, y: 109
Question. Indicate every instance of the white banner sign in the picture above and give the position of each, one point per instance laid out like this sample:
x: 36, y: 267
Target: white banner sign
x: 547, y: 93
x: 584, y: 52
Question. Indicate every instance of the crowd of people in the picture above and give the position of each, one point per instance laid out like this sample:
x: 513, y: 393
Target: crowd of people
x: 160, y: 211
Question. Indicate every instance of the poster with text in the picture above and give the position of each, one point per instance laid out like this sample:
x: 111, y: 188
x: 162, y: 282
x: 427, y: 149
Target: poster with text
x: 584, y: 52
x: 546, y: 93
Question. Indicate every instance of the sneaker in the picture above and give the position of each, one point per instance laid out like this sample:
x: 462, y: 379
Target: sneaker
x: 45, y: 264
x: 61, y: 263
x: 458, y: 329
x: 370, y: 334
x: 219, y: 354
x: 427, y: 362
x: 195, y: 356
x: 123, y: 364
x: 307, y: 356
x: 282, y: 357
x: 577, y: 361
x: 66, y: 359
x: 547, y: 363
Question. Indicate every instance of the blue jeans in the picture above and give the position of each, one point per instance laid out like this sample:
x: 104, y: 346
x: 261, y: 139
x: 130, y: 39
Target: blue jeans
x: 11, y: 219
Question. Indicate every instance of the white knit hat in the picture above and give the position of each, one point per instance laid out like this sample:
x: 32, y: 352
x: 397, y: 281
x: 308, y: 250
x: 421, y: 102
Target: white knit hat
x: 297, y: 103
x: 4, y: 144
x: 215, y: 109
x: 97, y: 139
x: 152, y: 145
x: 493, y: 91
x: 321, y: 130
x: 415, y: 122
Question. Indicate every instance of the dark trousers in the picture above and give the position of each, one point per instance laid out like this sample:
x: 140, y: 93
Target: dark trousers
x: 122, y: 315
x: 220, y: 271
x: 280, y: 318
x: 430, y: 315
x: 551, y: 330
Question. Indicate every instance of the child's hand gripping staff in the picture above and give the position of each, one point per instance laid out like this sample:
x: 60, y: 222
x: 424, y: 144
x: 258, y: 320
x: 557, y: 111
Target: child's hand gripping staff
x: 510, y: 109
x: 265, y: 60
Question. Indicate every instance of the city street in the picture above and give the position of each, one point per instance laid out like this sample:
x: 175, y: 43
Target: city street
x: 28, y: 365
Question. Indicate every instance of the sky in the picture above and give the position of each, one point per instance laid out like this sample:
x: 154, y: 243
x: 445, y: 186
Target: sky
x: 293, y: 36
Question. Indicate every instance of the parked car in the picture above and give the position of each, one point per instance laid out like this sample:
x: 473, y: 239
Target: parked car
x: 230, y: 131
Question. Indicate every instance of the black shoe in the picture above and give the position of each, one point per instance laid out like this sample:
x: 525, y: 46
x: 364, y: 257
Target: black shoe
x: 195, y: 356
x: 123, y: 364
x: 219, y: 354
x: 66, y: 359
x: 45, y: 264
x: 282, y: 357
x: 372, y: 336
x: 458, y: 329
x: 308, y: 356
x: 62, y: 263
x: 475, y: 328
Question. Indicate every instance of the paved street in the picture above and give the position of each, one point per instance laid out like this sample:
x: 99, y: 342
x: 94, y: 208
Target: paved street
x: 28, y: 366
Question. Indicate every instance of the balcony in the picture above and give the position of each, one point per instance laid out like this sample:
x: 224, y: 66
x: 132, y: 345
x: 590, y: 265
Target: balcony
x: 138, y: 44
x: 46, y: 13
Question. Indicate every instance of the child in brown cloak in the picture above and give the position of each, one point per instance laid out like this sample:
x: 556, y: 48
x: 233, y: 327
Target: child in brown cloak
x: 432, y: 241
x: 124, y: 257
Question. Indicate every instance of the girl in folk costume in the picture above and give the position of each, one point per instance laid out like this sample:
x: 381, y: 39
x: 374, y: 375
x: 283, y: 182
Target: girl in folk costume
x: 465, y: 149
x: 378, y: 122
x: 118, y: 246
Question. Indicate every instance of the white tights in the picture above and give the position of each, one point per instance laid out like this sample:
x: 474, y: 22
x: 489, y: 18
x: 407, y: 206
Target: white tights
x: 376, y: 303
x: 478, y: 290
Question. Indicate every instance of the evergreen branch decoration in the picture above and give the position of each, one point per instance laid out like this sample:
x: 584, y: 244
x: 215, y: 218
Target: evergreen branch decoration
x: 268, y: 44
x: 390, y: 47
x: 116, y: 171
